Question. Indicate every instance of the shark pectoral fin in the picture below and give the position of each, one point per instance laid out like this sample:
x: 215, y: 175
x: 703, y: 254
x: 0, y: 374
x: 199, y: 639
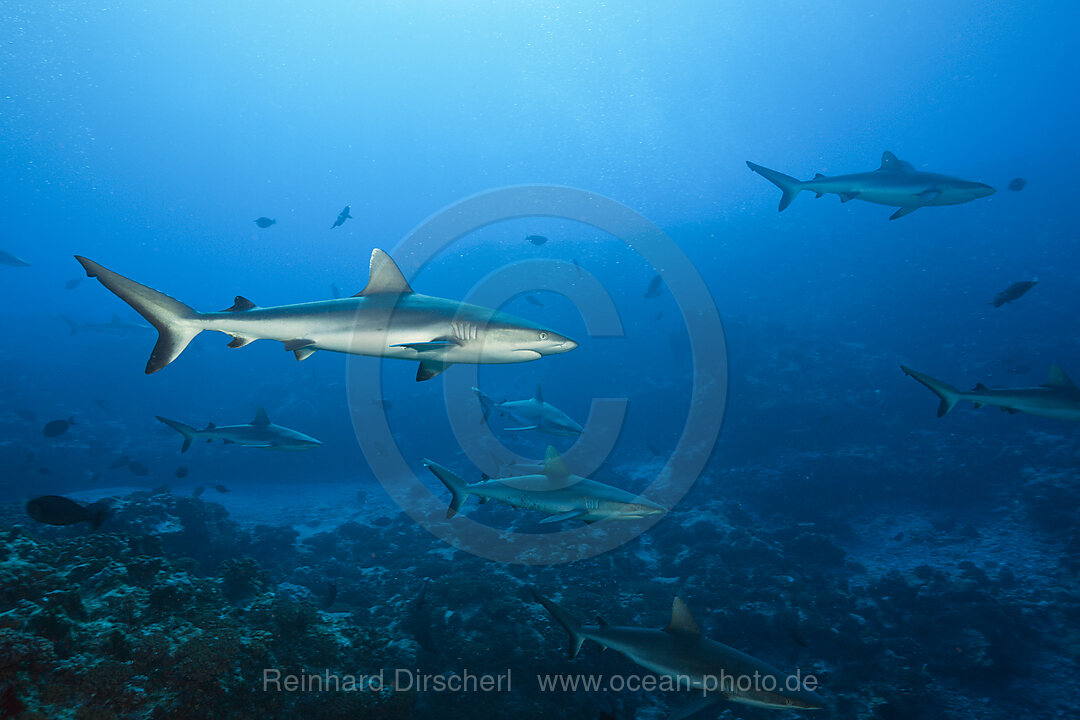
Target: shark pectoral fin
x: 297, y: 344
x: 559, y: 517
x: 929, y: 196
x: 429, y: 369
x: 518, y: 429
x: 904, y: 211
x: 428, y: 345
x: 304, y: 353
x: 239, y: 341
x: 844, y: 197
x: 693, y: 707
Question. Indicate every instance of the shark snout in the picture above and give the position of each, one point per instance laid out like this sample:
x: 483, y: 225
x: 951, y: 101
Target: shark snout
x: 984, y: 190
x: 566, y: 345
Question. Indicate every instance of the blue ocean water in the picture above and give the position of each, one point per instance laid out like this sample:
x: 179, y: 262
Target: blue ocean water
x: 920, y: 567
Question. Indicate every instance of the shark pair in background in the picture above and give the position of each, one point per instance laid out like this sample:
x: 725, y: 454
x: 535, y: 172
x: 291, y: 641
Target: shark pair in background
x: 896, y: 183
x: 386, y: 319
x: 259, y: 433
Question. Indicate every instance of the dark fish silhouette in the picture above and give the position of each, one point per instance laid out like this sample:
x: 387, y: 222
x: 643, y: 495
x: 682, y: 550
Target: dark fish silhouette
x: 654, y: 287
x: 181, y: 471
x: 74, y: 283
x: 198, y: 491
x: 1013, y: 292
x: 138, y: 469
x: 7, y: 258
x: 536, y: 239
x: 56, y: 428
x: 342, y: 217
x: 221, y: 488
x: 417, y: 621
x: 1017, y: 184
x: 265, y: 222
x: 58, y: 510
x: 534, y: 300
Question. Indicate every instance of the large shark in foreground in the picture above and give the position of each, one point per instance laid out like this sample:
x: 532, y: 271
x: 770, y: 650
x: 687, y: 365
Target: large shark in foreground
x: 533, y: 414
x: 680, y: 651
x: 552, y: 490
x: 259, y: 433
x: 896, y: 183
x: 385, y: 319
x: 1058, y: 399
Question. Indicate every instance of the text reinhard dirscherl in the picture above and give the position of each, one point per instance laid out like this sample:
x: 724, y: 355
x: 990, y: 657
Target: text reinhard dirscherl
x: 467, y: 681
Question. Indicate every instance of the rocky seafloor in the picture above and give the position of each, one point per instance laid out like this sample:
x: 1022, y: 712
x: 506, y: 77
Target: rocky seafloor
x: 174, y: 610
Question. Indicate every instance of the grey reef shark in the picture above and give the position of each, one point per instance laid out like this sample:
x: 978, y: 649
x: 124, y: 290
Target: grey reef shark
x: 1059, y: 398
x: 533, y: 414
x: 259, y: 433
x: 385, y: 319
x: 714, y: 671
x: 551, y: 489
x: 895, y: 183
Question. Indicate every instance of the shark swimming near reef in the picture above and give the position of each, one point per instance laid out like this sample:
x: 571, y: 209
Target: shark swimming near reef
x: 259, y: 433
x: 385, y: 319
x: 896, y: 183
x: 1059, y: 398
x: 533, y: 414
x: 551, y: 489
x: 717, y: 672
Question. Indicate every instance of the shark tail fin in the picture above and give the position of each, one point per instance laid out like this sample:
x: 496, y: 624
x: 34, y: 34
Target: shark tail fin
x: 176, y: 323
x: 569, y: 623
x: 187, y: 431
x: 787, y: 184
x: 75, y: 327
x: 486, y: 403
x: 948, y: 394
x: 458, y: 490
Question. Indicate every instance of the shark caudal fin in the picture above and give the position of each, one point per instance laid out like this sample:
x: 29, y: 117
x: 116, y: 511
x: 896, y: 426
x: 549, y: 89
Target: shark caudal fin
x: 187, y: 431
x: 789, y: 185
x: 948, y: 394
x: 458, y: 490
x: 486, y: 404
x: 176, y: 323
x: 569, y: 623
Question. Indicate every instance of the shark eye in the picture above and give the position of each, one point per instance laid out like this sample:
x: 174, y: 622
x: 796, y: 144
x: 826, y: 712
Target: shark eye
x: 543, y: 335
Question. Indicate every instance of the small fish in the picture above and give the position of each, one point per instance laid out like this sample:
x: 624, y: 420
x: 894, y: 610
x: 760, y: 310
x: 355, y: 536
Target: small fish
x: 56, y: 428
x: 59, y: 510
x: 7, y: 258
x: 221, y: 488
x: 1014, y: 292
x: 654, y: 287
x: 533, y: 299
x: 536, y: 239
x: 198, y: 491
x: 27, y: 415
x: 1017, y: 184
x: 138, y: 469
x: 73, y: 283
x: 122, y: 461
x: 342, y: 217
x: 264, y: 222
x: 181, y: 471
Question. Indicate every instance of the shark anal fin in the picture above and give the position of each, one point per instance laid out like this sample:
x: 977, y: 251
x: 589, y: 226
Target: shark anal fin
x: 560, y: 517
x: 845, y: 196
x: 304, y: 353
x: 904, y: 211
x: 429, y: 369
x: 239, y: 341
x: 240, y: 304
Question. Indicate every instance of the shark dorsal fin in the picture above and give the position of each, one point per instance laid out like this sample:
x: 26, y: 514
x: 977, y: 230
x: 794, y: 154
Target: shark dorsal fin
x: 979, y: 387
x: 384, y: 277
x: 554, y: 467
x: 240, y: 304
x: 261, y: 418
x: 1058, y: 379
x: 891, y: 163
x: 210, y: 426
x: 682, y: 622
x: 601, y: 622
x: 818, y: 176
x: 539, y: 393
